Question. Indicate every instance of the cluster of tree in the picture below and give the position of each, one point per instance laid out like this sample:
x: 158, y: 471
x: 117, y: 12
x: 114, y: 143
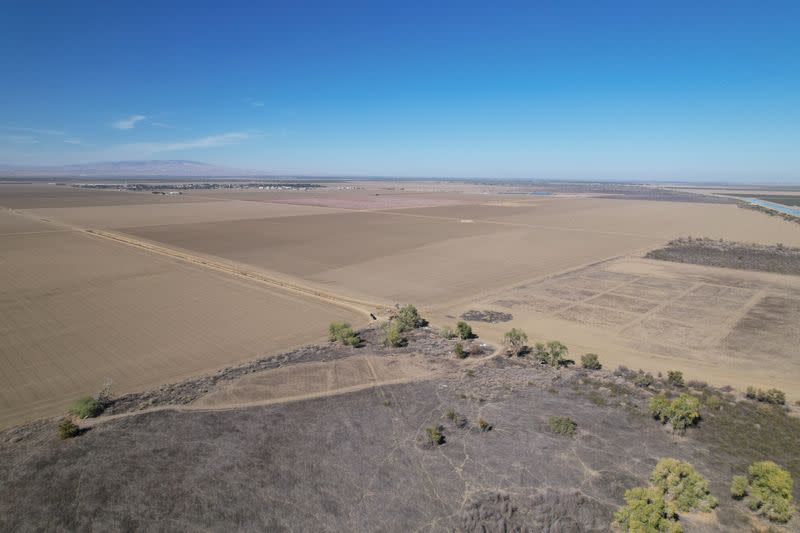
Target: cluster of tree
x: 680, y: 412
x: 767, y: 489
x: 675, y: 486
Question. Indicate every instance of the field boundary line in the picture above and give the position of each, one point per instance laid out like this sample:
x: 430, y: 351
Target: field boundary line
x: 343, y: 301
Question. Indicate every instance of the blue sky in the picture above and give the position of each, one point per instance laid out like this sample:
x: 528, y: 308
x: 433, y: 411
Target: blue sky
x: 610, y: 90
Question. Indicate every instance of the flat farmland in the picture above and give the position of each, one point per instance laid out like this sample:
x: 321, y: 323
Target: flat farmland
x: 728, y: 327
x: 30, y: 196
x: 120, y: 216
x: 76, y: 310
x: 391, y: 256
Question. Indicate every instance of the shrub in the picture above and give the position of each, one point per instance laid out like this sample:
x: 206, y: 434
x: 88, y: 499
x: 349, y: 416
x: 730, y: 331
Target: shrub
x: 591, y: 361
x: 551, y: 353
x: 646, y: 511
x: 681, y: 412
x: 514, y: 341
x: 770, y: 491
x: 713, y: 402
x: 393, y: 335
x: 643, y: 379
x: 435, y: 436
x: 447, y: 332
x: 459, y: 351
x: 408, y: 318
x: 739, y: 487
x: 67, y: 429
x: 484, y: 425
x: 562, y: 425
x: 86, y: 407
x: 342, y: 332
x: 675, y: 377
x: 682, y: 485
x: 464, y: 330
x: 773, y: 396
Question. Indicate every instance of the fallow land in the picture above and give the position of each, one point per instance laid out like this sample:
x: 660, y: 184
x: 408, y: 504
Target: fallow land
x: 142, y: 289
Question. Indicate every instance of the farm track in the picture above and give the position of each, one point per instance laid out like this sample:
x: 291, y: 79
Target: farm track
x: 361, y: 306
x: 354, y: 304
x: 92, y: 422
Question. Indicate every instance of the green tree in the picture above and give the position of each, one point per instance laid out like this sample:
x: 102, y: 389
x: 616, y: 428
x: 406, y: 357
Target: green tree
x: 682, y: 485
x: 408, y: 318
x: 739, y: 486
x: 514, y: 341
x: 646, y: 511
x: 551, y: 353
x: 464, y: 330
x: 86, y: 407
x: 675, y: 377
x: 342, y: 332
x: 770, y: 491
x: 681, y: 412
x: 67, y: 429
x: 393, y: 335
x: 459, y: 351
x: 590, y: 361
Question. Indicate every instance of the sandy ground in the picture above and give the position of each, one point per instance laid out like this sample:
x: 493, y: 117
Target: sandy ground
x: 65, y: 292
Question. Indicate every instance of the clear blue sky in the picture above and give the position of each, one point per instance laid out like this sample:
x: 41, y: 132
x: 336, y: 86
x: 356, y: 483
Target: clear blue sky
x: 613, y: 90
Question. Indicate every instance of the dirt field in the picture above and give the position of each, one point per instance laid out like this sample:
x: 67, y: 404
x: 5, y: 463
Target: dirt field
x: 728, y: 327
x: 76, y: 310
x: 444, y: 249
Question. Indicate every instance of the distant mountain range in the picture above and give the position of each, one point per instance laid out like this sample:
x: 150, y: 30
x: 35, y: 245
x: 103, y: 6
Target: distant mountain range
x: 111, y: 169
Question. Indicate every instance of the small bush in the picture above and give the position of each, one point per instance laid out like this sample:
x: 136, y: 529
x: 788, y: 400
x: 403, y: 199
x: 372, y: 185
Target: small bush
x: 770, y: 491
x: 681, y: 412
x: 644, y: 380
x: 773, y: 396
x: 562, y: 425
x: 646, y: 511
x: 86, y: 407
x: 675, y: 378
x: 464, y: 330
x: 408, y: 318
x: 342, y: 332
x: 514, y: 341
x: 682, y: 485
x: 448, y: 333
x: 451, y: 414
x: 435, y: 435
x: 459, y: 351
x: 67, y: 429
x: 714, y: 402
x: 484, y: 425
x: 393, y: 335
x: 739, y: 487
x: 590, y: 361
x: 553, y: 353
